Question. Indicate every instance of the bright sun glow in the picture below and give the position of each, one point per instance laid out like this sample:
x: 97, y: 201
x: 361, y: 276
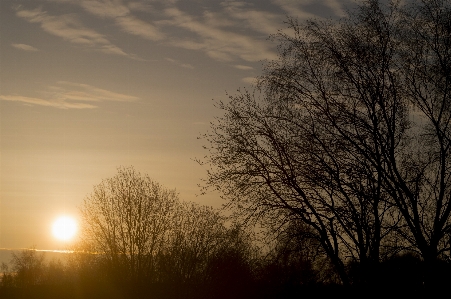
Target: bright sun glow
x: 64, y: 228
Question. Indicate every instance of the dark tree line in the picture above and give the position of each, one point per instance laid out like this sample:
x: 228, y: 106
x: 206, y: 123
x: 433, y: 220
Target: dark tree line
x: 348, y: 132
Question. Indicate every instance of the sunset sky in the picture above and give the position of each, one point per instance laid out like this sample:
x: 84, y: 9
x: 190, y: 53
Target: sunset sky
x: 87, y: 86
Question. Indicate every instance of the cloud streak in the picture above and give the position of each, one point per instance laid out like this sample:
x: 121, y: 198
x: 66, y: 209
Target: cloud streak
x: 243, y: 67
x: 176, y: 62
x: 44, y: 102
x: 122, y: 17
x: 250, y: 80
x: 297, y: 9
x: 71, y: 30
x: 69, y: 95
x: 218, y: 43
x: 260, y: 21
x: 25, y: 47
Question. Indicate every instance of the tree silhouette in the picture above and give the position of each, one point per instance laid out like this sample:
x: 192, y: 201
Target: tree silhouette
x: 127, y: 219
x: 25, y: 269
x: 197, y: 232
x: 348, y: 132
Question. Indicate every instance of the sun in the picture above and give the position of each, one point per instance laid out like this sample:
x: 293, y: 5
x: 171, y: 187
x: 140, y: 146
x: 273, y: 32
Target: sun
x: 64, y: 228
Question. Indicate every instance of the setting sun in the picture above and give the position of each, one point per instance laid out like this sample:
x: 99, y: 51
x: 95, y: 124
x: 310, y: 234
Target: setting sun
x: 64, y: 228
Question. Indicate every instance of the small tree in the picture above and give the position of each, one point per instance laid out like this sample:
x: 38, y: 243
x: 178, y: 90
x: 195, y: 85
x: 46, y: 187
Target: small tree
x: 28, y: 268
x: 127, y: 219
x: 197, y: 233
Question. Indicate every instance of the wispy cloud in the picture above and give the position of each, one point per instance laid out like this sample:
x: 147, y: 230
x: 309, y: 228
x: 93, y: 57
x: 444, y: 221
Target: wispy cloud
x: 296, y: 8
x: 260, y: 21
x: 243, y: 67
x: 336, y: 7
x: 140, y: 6
x: 69, y: 95
x: 25, y: 47
x: 107, y: 8
x: 121, y: 14
x: 292, y: 8
x: 250, y: 80
x: 69, y: 28
x: 44, y: 102
x: 218, y: 43
x: 135, y: 26
x: 176, y: 62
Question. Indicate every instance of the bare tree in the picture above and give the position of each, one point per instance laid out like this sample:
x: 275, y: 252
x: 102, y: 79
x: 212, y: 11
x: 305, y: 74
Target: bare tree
x: 296, y: 257
x: 128, y: 218
x: 348, y: 133
x: 419, y: 178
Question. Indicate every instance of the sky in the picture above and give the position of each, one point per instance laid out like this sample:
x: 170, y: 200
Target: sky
x: 87, y: 86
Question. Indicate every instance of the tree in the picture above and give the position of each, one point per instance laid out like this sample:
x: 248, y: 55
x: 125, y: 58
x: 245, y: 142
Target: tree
x: 419, y: 180
x: 28, y: 269
x: 295, y: 258
x: 196, y: 235
x: 347, y: 132
x: 127, y: 219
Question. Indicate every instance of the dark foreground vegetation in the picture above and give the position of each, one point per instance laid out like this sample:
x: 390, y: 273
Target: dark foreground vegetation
x: 284, y: 273
x: 341, y: 158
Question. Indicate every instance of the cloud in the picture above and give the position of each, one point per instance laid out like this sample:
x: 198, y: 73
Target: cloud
x: 106, y: 9
x: 140, y: 6
x: 292, y: 8
x: 114, y: 9
x: 243, y: 67
x: 261, y: 21
x: 25, y: 47
x: 250, y: 80
x: 295, y: 8
x: 137, y: 27
x: 83, y: 92
x: 336, y: 7
x: 219, y: 43
x: 43, y: 102
x: 69, y: 95
x: 70, y: 29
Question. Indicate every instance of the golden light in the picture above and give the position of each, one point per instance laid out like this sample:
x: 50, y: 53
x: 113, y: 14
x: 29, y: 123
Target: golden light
x: 64, y: 228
